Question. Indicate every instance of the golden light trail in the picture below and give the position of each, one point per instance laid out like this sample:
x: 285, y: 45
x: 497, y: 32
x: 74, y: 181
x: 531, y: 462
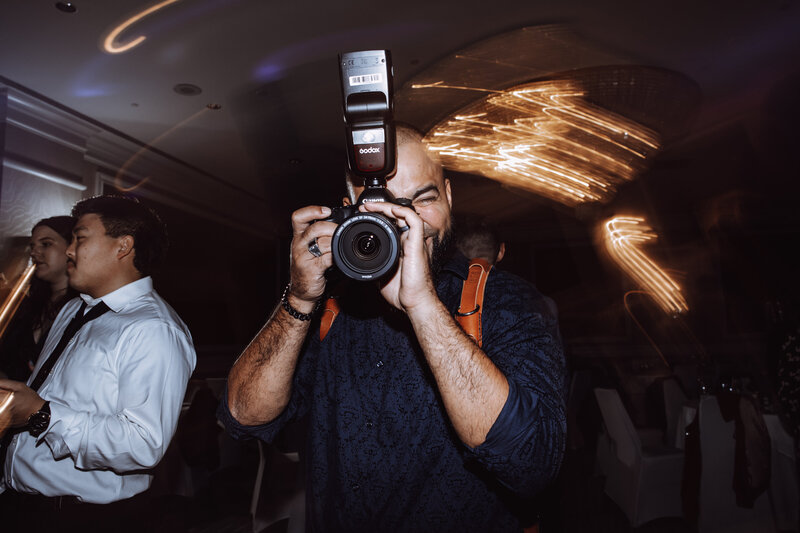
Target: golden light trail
x: 544, y: 137
x: 118, y: 178
x: 624, y: 237
x: 4, y: 403
x: 14, y: 298
x: 110, y: 43
x: 641, y: 328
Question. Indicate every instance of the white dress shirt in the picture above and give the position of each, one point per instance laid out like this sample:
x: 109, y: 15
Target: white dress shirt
x: 115, y: 396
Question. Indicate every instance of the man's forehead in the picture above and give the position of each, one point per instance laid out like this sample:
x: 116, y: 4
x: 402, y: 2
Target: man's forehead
x: 86, y: 222
x: 415, y: 171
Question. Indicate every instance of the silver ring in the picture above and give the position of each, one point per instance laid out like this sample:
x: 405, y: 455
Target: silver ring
x: 313, y: 248
x: 403, y: 229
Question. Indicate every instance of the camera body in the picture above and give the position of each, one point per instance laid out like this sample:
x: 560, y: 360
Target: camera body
x: 366, y: 246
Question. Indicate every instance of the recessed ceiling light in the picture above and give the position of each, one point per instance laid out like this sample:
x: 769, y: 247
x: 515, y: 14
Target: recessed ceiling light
x: 66, y: 7
x: 187, y: 89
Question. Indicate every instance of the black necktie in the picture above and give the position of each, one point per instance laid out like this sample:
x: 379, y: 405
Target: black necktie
x: 72, y: 328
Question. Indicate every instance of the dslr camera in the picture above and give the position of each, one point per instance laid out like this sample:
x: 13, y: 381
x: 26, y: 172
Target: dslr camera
x: 366, y: 246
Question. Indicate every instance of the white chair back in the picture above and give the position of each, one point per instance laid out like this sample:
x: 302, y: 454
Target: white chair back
x: 674, y: 400
x: 619, y: 426
x: 783, y: 489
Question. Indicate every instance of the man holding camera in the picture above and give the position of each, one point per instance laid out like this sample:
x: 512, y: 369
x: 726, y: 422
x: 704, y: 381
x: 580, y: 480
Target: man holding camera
x: 413, y: 426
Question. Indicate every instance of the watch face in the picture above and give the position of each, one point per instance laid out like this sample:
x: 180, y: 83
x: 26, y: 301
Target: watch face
x: 38, y: 422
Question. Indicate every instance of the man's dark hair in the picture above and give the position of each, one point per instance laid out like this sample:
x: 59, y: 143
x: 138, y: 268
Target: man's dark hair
x: 124, y: 215
x: 478, y: 239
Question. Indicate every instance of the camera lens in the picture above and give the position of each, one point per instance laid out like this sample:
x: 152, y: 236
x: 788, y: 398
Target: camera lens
x: 366, y: 245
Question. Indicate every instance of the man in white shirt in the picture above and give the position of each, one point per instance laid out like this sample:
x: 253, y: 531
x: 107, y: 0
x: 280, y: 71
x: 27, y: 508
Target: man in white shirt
x: 89, y: 430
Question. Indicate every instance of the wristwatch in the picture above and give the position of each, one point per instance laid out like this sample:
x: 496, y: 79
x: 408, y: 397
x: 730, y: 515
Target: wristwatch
x: 39, y: 420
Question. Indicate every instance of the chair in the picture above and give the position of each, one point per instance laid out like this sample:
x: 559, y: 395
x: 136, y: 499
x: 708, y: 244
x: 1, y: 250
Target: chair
x: 718, y: 509
x: 783, y: 490
x: 193, y: 452
x: 674, y: 401
x: 217, y: 385
x: 687, y: 375
x: 644, y: 482
x: 278, y: 493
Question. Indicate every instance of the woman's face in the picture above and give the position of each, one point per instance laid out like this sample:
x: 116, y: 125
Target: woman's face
x: 49, y: 254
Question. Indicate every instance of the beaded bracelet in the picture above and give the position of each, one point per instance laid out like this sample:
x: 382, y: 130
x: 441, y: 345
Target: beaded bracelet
x: 294, y: 313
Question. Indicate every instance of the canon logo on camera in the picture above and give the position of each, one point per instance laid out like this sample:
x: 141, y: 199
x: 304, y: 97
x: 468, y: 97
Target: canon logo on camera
x: 372, y: 150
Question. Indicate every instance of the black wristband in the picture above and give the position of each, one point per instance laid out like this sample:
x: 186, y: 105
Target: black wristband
x: 294, y: 312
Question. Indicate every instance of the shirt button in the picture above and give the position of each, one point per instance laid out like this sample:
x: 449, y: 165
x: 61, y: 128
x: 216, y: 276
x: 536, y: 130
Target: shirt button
x: 379, y: 364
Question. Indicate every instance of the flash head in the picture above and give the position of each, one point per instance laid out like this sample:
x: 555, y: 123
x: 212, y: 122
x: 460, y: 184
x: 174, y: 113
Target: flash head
x: 368, y: 106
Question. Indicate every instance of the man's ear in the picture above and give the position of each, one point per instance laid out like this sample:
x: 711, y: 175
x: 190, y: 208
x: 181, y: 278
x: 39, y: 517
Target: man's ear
x: 125, y: 246
x: 501, y: 253
x: 448, y: 192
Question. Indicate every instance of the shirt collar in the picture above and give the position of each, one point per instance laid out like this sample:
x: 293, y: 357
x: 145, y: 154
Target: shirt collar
x: 119, y: 298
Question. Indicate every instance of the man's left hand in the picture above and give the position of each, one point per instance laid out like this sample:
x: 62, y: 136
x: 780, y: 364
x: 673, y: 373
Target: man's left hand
x: 24, y: 402
x: 411, y: 286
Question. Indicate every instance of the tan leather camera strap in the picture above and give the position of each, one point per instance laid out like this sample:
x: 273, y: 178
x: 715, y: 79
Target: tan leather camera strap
x: 329, y: 314
x: 469, y: 310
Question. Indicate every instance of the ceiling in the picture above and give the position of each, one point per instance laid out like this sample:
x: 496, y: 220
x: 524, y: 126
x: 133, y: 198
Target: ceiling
x: 271, y: 69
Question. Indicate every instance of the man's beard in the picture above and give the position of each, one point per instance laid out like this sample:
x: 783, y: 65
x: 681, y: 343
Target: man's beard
x: 442, y: 249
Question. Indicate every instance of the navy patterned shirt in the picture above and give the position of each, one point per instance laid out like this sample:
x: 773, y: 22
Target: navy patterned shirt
x: 382, y: 454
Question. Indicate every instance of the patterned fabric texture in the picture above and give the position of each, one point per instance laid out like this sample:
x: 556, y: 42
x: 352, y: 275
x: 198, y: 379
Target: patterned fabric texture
x: 382, y: 454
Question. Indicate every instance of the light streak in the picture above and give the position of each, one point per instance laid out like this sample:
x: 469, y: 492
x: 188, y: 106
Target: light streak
x: 3, y: 406
x: 624, y: 237
x: 641, y: 328
x: 544, y: 137
x: 110, y: 43
x: 118, y: 182
x: 441, y: 85
x: 33, y: 171
x: 14, y: 298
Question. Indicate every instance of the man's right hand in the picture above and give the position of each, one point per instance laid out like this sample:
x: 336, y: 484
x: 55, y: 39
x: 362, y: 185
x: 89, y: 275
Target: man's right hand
x: 23, y: 403
x: 308, y: 272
